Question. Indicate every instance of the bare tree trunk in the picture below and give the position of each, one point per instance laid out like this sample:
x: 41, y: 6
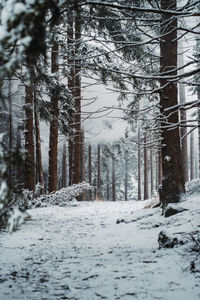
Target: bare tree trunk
x: 90, y: 170
x: 29, y: 182
x: 199, y: 135
x: 151, y: 168
x: 172, y: 183
x: 126, y: 178
x: 156, y: 171
x: 53, y: 136
x: 183, y: 117
x: 146, y: 169
x: 160, y: 173
x: 39, y: 169
x: 10, y: 134
x: 64, y: 167
x: 113, y: 180
x: 77, y: 97
x: 71, y: 87
x: 98, y: 172
x: 108, y: 182
x: 139, y: 164
x: 83, y: 163
x: 192, y: 155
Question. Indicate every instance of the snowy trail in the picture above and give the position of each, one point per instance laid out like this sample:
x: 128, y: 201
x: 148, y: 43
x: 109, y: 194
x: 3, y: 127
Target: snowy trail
x: 81, y: 253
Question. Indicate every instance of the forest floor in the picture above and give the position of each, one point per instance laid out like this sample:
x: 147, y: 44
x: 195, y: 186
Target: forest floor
x: 82, y: 253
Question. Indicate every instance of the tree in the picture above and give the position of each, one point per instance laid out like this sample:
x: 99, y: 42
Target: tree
x: 108, y: 181
x: 71, y: 84
x: 139, y: 163
x: 183, y: 117
x: 172, y: 183
x: 83, y: 171
x: 64, y: 166
x: 77, y: 98
x: 126, y: 177
x: 113, y: 179
x: 151, y: 171
x: 39, y: 168
x: 146, y: 169
x: 98, y: 172
x: 90, y: 170
x: 191, y: 156
x: 53, y: 135
x: 29, y: 178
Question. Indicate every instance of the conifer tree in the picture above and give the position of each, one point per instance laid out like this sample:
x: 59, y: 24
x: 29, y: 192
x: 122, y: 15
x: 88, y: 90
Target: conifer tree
x: 29, y: 178
x: 172, y: 183
x: 53, y: 135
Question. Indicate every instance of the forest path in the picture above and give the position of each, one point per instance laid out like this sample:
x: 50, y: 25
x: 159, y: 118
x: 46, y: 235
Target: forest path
x: 81, y: 253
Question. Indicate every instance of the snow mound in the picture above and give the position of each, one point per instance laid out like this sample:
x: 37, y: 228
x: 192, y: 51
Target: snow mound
x: 64, y: 197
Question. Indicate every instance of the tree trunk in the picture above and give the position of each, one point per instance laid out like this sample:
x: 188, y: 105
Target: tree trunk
x: 39, y: 169
x: 199, y: 133
x: 156, y: 171
x: 126, y: 178
x: 172, y: 183
x: 10, y: 167
x: 77, y: 98
x: 113, y: 180
x: 90, y: 170
x: 192, y: 155
x: 139, y: 164
x: 151, y: 168
x: 146, y: 169
x: 29, y: 182
x: 183, y: 118
x: 160, y: 172
x: 71, y: 87
x: 53, y: 136
x: 108, y: 182
x: 98, y: 172
x: 84, y: 198
x: 64, y: 167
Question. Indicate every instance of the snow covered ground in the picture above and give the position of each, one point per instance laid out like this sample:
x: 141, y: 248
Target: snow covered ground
x: 81, y: 253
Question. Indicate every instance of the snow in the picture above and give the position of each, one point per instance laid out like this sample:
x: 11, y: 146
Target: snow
x: 82, y: 253
x: 167, y: 158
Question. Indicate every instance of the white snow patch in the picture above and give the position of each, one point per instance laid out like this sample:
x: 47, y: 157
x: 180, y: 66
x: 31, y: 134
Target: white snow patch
x: 167, y: 158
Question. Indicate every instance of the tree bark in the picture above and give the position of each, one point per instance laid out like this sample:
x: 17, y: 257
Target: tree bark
x: 64, y: 167
x: 39, y: 169
x: 10, y: 167
x: 29, y: 178
x: 151, y: 169
x: 146, y: 169
x: 139, y: 164
x: 113, y: 180
x: 160, y: 172
x: 53, y: 136
x: 84, y: 196
x: 172, y: 183
x: 90, y: 170
x: 192, y: 155
x: 77, y: 98
x: 108, y: 182
x: 98, y: 172
x: 198, y: 92
x: 126, y: 179
x: 183, y: 118
x: 71, y: 87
